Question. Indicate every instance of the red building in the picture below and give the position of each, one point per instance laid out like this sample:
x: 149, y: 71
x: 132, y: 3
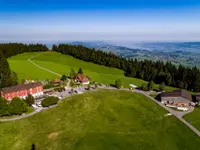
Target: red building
x: 81, y: 78
x: 35, y: 89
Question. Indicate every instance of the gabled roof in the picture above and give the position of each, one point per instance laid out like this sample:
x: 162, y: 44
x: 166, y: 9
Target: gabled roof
x: 21, y: 87
x: 178, y: 93
x: 82, y: 78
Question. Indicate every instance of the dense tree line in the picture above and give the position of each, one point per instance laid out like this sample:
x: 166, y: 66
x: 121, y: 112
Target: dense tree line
x: 8, y: 78
x: 158, y: 72
x: 11, y: 49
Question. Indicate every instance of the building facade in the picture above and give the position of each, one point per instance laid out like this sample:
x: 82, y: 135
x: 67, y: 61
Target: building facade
x: 22, y: 91
x: 178, y: 98
x: 81, y: 78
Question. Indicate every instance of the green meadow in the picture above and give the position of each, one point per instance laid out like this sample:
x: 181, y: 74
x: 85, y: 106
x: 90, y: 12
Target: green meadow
x: 62, y: 64
x: 194, y: 118
x: 102, y: 120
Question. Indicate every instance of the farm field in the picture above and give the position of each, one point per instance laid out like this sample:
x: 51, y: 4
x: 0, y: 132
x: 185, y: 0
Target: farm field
x: 103, y: 120
x: 62, y: 64
x: 194, y: 118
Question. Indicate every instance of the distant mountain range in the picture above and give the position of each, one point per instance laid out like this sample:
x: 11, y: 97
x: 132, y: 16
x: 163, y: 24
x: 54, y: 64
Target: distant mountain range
x: 187, y: 53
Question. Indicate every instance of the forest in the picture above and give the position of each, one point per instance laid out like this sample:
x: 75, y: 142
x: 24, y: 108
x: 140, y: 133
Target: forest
x: 158, y: 72
x: 7, y: 77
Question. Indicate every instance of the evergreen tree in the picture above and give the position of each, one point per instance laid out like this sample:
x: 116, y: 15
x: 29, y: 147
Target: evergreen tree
x: 63, y: 78
x: 144, y: 87
x: 14, y: 79
x: 162, y: 86
x: 80, y: 71
x: 72, y: 73
x: 150, y: 85
x: 30, y: 100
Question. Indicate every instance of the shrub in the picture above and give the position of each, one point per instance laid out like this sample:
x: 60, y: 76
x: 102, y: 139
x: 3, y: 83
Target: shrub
x: 30, y: 100
x: 4, y: 108
x: 47, y: 86
x: 49, y: 101
x: 150, y: 85
x: 63, y: 78
x: 162, y: 86
x: 18, y: 106
x: 144, y: 87
x: 118, y: 83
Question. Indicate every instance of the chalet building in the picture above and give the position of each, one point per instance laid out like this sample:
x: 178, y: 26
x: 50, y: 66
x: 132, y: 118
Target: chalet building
x: 178, y: 98
x: 81, y: 78
x: 35, y: 89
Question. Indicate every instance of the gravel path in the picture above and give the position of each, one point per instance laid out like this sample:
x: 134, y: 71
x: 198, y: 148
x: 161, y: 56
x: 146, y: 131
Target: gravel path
x: 42, y: 67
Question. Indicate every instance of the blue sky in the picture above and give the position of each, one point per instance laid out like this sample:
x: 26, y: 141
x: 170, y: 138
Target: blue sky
x: 111, y: 20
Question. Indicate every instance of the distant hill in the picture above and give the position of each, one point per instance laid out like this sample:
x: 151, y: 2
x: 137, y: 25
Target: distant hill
x: 187, y: 53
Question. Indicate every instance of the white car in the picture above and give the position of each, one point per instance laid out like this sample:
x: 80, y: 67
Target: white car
x: 34, y: 106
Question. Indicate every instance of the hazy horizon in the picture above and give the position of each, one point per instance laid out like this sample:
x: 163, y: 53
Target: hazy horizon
x: 138, y: 21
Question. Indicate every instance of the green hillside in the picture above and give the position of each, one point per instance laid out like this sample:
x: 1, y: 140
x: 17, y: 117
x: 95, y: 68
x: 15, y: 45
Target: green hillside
x: 194, y: 118
x: 62, y: 64
x: 103, y: 120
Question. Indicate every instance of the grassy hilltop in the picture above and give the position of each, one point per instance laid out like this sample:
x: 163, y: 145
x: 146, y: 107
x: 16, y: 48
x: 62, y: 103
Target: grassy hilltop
x: 62, y: 64
x: 103, y: 120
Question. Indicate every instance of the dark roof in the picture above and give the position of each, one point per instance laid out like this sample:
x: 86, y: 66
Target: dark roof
x: 20, y: 87
x: 178, y: 93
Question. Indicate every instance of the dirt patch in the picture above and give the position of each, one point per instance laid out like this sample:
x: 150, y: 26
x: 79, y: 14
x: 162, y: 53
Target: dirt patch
x: 53, y: 135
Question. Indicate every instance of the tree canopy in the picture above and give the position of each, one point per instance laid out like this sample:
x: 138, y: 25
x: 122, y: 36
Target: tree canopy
x: 80, y: 71
x: 156, y: 71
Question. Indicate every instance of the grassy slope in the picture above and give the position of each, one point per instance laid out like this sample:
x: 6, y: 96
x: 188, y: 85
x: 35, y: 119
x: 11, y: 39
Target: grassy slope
x: 103, y: 120
x: 62, y: 64
x: 194, y: 118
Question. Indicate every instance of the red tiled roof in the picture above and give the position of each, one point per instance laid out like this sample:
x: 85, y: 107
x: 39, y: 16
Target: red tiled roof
x: 82, y: 78
x: 21, y: 87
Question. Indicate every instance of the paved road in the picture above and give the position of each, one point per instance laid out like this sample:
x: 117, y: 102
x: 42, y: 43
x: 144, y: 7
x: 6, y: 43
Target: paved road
x: 177, y: 114
x: 22, y: 116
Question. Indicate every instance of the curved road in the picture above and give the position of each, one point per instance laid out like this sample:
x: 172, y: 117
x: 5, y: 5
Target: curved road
x: 178, y: 115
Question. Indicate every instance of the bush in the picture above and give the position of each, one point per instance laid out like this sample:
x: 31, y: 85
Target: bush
x: 30, y: 100
x: 162, y: 86
x: 63, y: 78
x: 47, y: 86
x: 18, y: 106
x: 50, y: 101
x: 144, y: 87
x: 150, y: 85
x: 118, y: 83
x: 4, y: 108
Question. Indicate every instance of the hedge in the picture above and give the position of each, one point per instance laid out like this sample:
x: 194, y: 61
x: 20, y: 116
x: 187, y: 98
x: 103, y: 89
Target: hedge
x: 50, y: 101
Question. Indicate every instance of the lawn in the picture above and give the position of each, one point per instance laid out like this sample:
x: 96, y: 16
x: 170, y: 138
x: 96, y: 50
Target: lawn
x: 103, y: 120
x: 194, y: 118
x: 62, y: 64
